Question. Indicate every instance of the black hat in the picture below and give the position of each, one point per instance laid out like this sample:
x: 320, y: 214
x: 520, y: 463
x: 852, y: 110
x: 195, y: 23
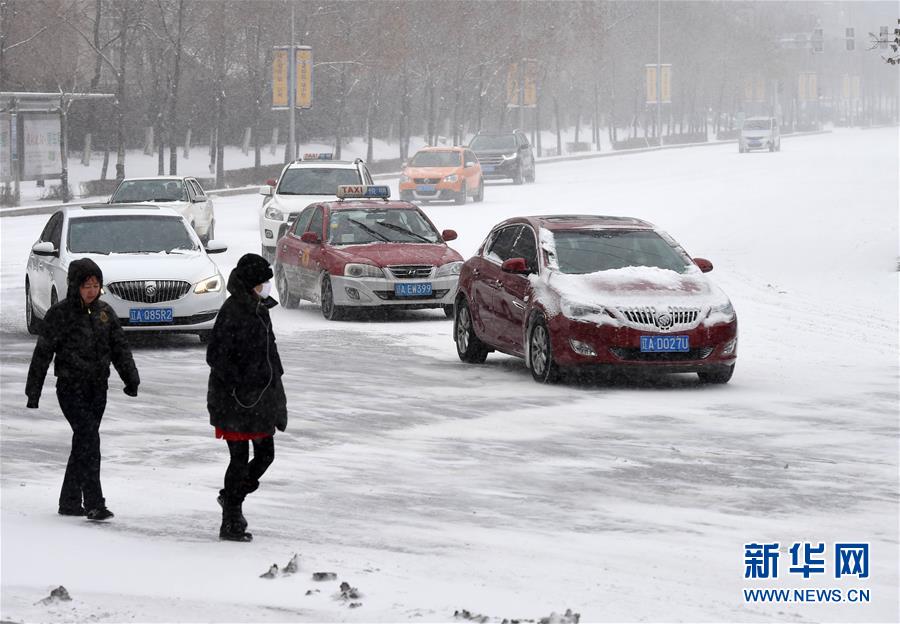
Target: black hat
x: 253, y: 269
x: 79, y: 272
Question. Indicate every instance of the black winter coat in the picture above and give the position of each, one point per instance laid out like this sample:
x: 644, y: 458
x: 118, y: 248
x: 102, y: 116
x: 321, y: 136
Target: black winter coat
x: 84, y: 340
x: 245, y: 393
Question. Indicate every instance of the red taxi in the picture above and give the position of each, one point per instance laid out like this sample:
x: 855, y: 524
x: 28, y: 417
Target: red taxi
x: 364, y: 251
x: 574, y: 291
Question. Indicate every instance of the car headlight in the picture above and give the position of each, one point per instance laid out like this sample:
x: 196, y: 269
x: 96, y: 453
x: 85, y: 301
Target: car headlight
x: 510, y: 157
x: 209, y: 285
x: 724, y: 309
x: 451, y: 268
x: 362, y: 270
x: 274, y: 213
x: 576, y: 310
x: 451, y: 178
x: 404, y: 178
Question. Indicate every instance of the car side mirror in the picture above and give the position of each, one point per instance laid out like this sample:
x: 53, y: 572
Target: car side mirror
x: 272, y: 182
x: 705, y: 265
x: 449, y: 235
x: 471, y: 163
x: 515, y: 265
x: 266, y: 190
x: 311, y: 237
x: 44, y: 249
x: 214, y: 247
x: 199, y: 198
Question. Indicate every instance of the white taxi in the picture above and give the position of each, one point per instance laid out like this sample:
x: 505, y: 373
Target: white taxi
x: 314, y: 178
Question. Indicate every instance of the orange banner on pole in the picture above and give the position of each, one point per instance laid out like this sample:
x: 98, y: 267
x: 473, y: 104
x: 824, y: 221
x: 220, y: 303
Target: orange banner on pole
x: 280, y: 78
x: 304, y: 77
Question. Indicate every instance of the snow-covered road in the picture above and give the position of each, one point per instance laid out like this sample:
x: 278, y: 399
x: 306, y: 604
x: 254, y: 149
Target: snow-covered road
x: 435, y: 486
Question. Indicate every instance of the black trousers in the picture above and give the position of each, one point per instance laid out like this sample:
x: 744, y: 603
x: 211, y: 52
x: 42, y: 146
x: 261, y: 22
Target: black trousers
x: 243, y: 474
x: 83, y: 406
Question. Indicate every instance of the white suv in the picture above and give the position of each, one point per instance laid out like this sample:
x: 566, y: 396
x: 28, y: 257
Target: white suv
x: 314, y: 178
x: 759, y: 133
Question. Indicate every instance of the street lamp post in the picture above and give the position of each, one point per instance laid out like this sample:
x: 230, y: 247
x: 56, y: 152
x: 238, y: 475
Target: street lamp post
x: 658, y: 72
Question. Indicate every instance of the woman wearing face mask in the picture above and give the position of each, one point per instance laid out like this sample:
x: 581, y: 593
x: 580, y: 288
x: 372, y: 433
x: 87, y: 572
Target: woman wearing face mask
x: 246, y: 399
x: 84, y: 335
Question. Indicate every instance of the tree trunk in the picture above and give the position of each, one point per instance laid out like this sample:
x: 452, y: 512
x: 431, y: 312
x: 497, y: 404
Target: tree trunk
x: 120, y: 96
x: 558, y: 126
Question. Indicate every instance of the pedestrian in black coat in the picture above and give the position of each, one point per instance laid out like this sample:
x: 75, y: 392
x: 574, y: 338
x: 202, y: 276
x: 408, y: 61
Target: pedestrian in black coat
x: 83, y: 334
x: 246, y: 399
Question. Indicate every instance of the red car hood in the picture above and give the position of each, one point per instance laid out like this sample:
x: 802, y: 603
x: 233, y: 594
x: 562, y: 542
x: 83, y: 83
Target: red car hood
x: 631, y: 283
x: 430, y: 172
x: 384, y: 254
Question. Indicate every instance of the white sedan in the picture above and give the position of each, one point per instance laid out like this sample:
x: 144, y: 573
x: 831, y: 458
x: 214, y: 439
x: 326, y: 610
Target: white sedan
x: 184, y: 195
x: 157, y: 275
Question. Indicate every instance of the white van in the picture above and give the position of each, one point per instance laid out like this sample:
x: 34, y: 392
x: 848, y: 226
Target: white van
x: 759, y: 133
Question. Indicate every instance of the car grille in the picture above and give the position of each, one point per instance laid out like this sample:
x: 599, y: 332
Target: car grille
x: 149, y: 291
x: 388, y: 295
x: 426, y: 180
x: 178, y: 320
x: 671, y: 319
x: 410, y: 271
x: 490, y: 160
x: 636, y: 355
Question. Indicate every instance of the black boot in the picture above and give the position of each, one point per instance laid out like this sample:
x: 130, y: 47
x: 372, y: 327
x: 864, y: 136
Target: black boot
x: 221, y: 501
x: 232, y: 529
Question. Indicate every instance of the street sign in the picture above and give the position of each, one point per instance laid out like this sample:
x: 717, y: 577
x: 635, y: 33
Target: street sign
x: 884, y: 37
x: 280, y: 79
x: 41, y: 157
x: 650, y: 80
x: 666, y: 83
x: 530, y: 93
x: 512, y: 84
x: 304, y: 77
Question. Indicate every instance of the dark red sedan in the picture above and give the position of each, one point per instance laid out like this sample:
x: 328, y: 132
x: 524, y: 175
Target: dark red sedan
x: 360, y: 252
x: 577, y: 291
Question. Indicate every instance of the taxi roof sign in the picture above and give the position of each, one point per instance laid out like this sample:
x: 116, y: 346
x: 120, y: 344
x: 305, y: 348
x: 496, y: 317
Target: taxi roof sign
x: 318, y: 156
x: 362, y: 191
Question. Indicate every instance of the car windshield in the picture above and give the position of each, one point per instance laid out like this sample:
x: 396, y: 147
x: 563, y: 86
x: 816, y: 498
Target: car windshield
x: 394, y: 225
x: 493, y: 142
x: 316, y: 180
x: 129, y: 234
x: 131, y: 191
x: 589, y: 251
x: 436, y: 159
x: 757, y: 124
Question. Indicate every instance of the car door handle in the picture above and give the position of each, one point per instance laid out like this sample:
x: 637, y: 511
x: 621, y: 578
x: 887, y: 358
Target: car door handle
x: 519, y: 304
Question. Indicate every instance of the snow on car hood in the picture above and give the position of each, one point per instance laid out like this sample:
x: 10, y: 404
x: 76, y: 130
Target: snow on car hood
x: 183, y: 266
x: 627, y: 287
x: 181, y: 207
x: 430, y: 172
x: 384, y: 254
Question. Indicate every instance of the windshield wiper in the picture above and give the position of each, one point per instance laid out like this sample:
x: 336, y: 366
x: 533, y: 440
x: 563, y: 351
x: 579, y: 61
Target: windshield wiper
x: 162, y: 199
x: 399, y: 228
x: 369, y: 230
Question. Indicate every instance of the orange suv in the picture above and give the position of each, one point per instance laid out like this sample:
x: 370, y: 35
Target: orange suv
x: 442, y: 173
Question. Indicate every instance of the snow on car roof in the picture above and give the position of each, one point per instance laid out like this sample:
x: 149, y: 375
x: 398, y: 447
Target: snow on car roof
x: 322, y: 164
x: 364, y: 204
x: 118, y: 210
x: 158, y: 177
x: 582, y: 221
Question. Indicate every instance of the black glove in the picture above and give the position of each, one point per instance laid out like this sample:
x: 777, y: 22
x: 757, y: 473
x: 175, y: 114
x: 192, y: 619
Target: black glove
x: 130, y: 390
x: 32, y: 403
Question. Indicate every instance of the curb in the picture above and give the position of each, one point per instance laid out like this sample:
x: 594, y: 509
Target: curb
x: 246, y: 190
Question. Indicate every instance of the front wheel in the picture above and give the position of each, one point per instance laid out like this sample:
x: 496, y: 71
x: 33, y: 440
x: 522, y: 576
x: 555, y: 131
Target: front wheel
x: 479, y: 196
x: 540, y: 353
x: 469, y: 347
x: 519, y: 178
x: 463, y: 193
x: 31, y: 321
x: 330, y: 311
x: 284, y: 291
x: 718, y: 375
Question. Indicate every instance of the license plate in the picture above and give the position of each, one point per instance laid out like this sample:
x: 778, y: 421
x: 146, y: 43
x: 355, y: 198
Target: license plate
x: 664, y: 344
x: 425, y: 188
x: 487, y: 168
x: 412, y: 290
x: 150, y: 315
